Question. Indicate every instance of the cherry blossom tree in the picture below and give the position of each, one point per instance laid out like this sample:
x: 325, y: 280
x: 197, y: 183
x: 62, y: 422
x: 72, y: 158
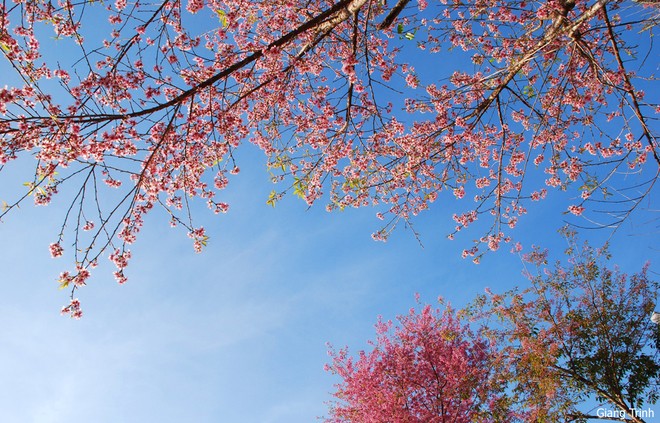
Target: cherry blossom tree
x: 127, y: 107
x: 580, y: 335
x: 429, y: 368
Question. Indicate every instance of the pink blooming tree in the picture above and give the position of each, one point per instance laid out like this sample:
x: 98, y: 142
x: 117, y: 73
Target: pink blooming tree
x: 429, y: 368
x: 580, y: 336
x: 127, y: 107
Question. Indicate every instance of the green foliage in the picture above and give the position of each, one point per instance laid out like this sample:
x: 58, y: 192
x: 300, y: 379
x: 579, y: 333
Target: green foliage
x: 299, y: 188
x: 272, y: 198
x: 582, y: 330
x: 222, y: 17
x: 408, y: 35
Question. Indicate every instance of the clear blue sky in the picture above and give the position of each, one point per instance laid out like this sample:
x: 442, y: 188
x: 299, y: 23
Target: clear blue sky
x: 238, y: 333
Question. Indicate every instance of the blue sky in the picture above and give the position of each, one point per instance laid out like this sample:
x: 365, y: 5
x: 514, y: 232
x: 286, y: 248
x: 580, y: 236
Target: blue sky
x: 239, y: 332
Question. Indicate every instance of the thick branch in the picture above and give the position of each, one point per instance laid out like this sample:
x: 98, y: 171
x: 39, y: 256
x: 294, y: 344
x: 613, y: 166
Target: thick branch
x: 614, y: 398
x: 559, y: 27
x: 328, y: 19
x: 396, y: 10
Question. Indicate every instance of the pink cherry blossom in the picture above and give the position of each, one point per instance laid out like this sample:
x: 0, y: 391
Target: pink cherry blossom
x: 353, y: 103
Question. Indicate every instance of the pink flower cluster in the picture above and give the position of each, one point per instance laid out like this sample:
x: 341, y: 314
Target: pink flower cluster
x: 73, y: 309
x: 56, y: 250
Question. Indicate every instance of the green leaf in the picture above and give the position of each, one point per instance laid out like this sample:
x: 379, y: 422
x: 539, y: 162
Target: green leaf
x: 30, y: 186
x: 222, y: 16
x: 280, y: 162
x: 299, y: 188
x: 399, y: 29
x: 529, y: 91
x: 272, y: 198
x: 356, y: 183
